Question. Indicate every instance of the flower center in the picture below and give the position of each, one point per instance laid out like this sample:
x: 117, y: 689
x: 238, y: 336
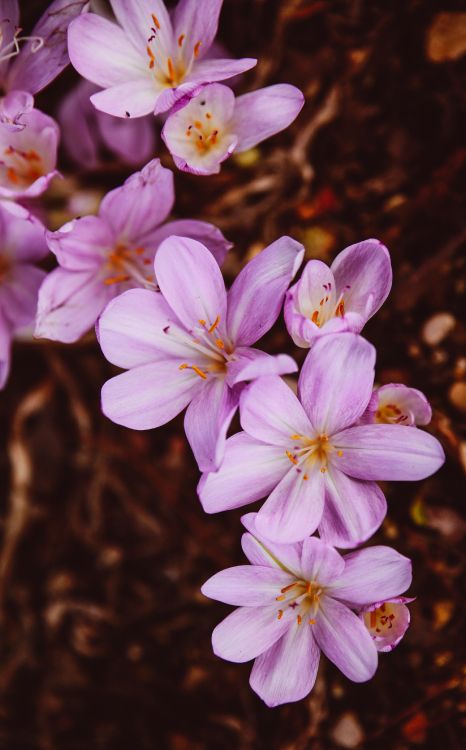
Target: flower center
x: 168, y: 71
x: 303, y: 598
x: 382, y: 619
x: 390, y: 414
x: 216, y: 352
x: 204, y: 135
x: 307, y: 452
x: 325, y: 309
x: 22, y: 168
x: 124, y: 263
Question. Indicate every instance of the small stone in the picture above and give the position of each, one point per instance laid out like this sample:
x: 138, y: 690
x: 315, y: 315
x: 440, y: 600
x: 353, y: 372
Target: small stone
x: 457, y: 396
x: 462, y: 452
x: 437, y: 328
x: 348, y: 731
x: 446, y: 37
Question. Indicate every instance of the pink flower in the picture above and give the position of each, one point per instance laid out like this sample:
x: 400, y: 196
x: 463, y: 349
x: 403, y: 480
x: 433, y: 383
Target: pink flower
x: 318, y: 466
x: 340, y: 298
x: 387, y: 621
x: 28, y: 156
x: 192, y: 344
x: 204, y: 132
x: 395, y: 403
x: 150, y: 59
x: 296, y: 600
x: 102, y: 256
x: 22, y: 243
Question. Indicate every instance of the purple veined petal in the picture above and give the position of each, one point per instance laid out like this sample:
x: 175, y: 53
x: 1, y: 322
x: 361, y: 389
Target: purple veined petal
x: 202, y: 231
x: 250, y: 364
x: 265, y: 552
x: 137, y: 19
x: 265, y: 112
x: 271, y: 412
x: 211, y: 71
x: 9, y: 10
x: 191, y: 282
x: 134, y: 98
x: 78, y: 119
x: 5, y: 347
x: 133, y: 140
x: 256, y: 296
x: 19, y: 294
x: 249, y: 471
x: 140, y: 204
x: 388, y: 452
x: 294, y: 508
x: 248, y: 632
x: 207, y: 420
x: 247, y: 585
x: 363, y: 275
x: 139, y: 327
x: 336, y: 381
x: 195, y: 24
x: 302, y: 330
x: 287, y: 671
x: 150, y: 395
x: 353, y: 511
x: 396, y: 403
x: 372, y: 574
x: 23, y: 241
x: 345, y: 641
x: 12, y: 107
x: 387, y: 622
x: 198, y: 134
x: 69, y: 304
x: 81, y: 244
x: 33, y: 68
x: 320, y: 562
x: 172, y: 98
x: 100, y: 51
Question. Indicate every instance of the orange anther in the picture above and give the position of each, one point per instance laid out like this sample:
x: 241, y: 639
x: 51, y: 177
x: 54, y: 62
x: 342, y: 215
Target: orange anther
x: 214, y: 324
x: 287, y: 588
x: 202, y: 322
x: 280, y: 614
x: 315, y: 317
x: 181, y: 39
x: 116, y: 279
x: 312, y: 622
x: 171, y: 69
x: 305, y: 477
x: 220, y: 343
x: 323, y: 469
x: 155, y: 20
x: 197, y: 47
x: 339, y: 454
x: 291, y: 457
x: 199, y: 372
x: 279, y: 598
x: 299, y: 619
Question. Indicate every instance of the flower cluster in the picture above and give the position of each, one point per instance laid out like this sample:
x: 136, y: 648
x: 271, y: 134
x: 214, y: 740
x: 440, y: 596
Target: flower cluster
x: 153, y: 288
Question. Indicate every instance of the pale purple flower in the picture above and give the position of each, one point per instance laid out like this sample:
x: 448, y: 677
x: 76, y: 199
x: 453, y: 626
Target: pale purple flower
x: 86, y: 131
x: 29, y: 63
x: 192, y: 344
x: 28, y: 157
x: 395, y: 403
x: 22, y: 243
x: 102, y: 256
x: 204, y: 132
x: 310, y: 456
x: 296, y: 600
x: 150, y: 59
x: 340, y: 298
x: 387, y: 621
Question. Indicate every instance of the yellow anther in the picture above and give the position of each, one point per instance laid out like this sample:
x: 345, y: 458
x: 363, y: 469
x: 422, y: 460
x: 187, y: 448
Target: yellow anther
x: 216, y: 321
x: 202, y: 322
x: 291, y: 457
x: 279, y: 598
x: 280, y: 614
x: 220, y: 343
x: 296, y: 437
x: 339, y: 454
x: 199, y: 372
x: 184, y: 366
x: 312, y: 622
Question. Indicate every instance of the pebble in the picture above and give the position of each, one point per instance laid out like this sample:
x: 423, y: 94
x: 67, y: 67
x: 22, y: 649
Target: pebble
x: 348, y: 731
x: 457, y: 396
x: 437, y: 328
x: 446, y: 38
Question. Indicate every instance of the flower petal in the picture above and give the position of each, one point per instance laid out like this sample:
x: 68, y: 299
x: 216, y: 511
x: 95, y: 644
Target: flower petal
x: 23, y: 241
x: 284, y: 556
x: 336, y: 381
x: 248, y: 632
x: 247, y: 585
x: 150, y: 395
x: 265, y: 112
x: 402, y: 405
x: 250, y: 364
x: 353, y: 510
x: 207, y: 420
x: 294, y: 508
x: 288, y: 670
x: 19, y: 294
x: 371, y: 575
x: 256, y: 296
x: 388, y: 452
x: 132, y: 140
x: 137, y: 207
x: 248, y: 472
x: 363, y: 274
x: 197, y: 23
x: 345, y: 641
x: 191, y: 282
x: 320, y: 562
x: 216, y: 69
x: 135, y: 17
x: 272, y: 413
x: 81, y: 244
x: 101, y: 52
x: 134, y: 98
x: 202, y: 231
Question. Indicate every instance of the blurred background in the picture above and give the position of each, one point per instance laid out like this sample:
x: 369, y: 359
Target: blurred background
x: 105, y: 637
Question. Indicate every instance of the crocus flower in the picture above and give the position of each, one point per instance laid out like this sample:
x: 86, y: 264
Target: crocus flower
x: 296, y: 600
x: 28, y: 156
x: 86, y: 131
x: 29, y: 63
x: 22, y: 243
x: 340, y: 298
x: 192, y: 344
x: 102, y: 256
x: 204, y: 132
x: 387, y: 621
x: 395, y: 403
x: 310, y: 455
x: 149, y: 60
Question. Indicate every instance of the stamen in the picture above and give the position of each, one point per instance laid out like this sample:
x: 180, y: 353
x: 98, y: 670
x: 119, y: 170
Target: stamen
x: 287, y: 588
x: 305, y: 477
x: 199, y: 372
x: 299, y: 619
x: 156, y: 21
x: 340, y: 311
x: 171, y: 69
x: 197, y: 47
x: 202, y: 322
x: 323, y: 469
x: 373, y: 618
x: 220, y: 343
x: 339, y: 454
x: 280, y: 614
x: 116, y: 279
x: 315, y: 317
x: 214, y: 324
x: 296, y: 437
x: 291, y: 457
x: 312, y: 622
x: 280, y: 598
x: 181, y: 39
x: 152, y: 58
